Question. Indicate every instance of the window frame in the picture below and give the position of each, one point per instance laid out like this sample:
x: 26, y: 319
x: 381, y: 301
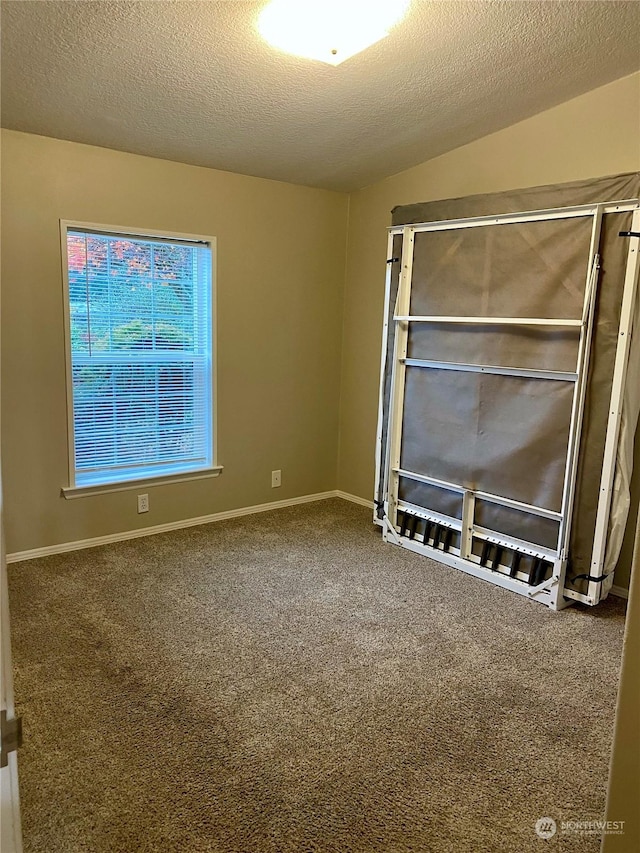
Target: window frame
x: 71, y: 490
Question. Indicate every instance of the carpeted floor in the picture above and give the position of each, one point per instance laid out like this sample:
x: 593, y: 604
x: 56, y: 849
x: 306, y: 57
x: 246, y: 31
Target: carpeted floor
x: 285, y: 683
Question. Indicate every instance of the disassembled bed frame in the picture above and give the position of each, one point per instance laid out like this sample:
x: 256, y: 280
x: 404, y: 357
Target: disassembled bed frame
x: 520, y: 566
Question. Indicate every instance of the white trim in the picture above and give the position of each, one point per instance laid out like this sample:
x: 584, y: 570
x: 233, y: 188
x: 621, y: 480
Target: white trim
x: 111, y: 230
x: 64, y: 259
x: 123, y: 485
x: 80, y: 544
x: 619, y: 591
x: 354, y: 499
x: 195, y: 240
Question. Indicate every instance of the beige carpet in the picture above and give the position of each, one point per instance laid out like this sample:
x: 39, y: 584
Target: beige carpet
x: 286, y: 683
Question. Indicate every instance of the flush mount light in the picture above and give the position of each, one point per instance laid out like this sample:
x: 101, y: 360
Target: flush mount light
x: 328, y: 30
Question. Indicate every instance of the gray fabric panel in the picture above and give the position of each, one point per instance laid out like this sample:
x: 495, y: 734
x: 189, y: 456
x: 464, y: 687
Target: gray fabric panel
x: 590, y: 191
x: 522, y: 350
x: 500, y: 434
x: 533, y: 347
x: 430, y: 497
x: 522, y: 525
x: 529, y: 269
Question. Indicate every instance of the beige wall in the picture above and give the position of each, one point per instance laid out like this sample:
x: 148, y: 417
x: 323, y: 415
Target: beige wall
x: 282, y: 299
x: 593, y: 135
x: 280, y: 271
x: 280, y: 306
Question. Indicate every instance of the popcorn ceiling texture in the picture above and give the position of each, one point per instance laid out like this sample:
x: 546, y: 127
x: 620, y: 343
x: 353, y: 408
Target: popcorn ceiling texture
x: 193, y: 82
x: 287, y: 683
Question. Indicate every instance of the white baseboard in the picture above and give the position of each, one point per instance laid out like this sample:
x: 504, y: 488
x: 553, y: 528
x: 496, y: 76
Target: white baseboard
x: 620, y: 591
x: 64, y: 547
x: 80, y: 544
x: 353, y: 498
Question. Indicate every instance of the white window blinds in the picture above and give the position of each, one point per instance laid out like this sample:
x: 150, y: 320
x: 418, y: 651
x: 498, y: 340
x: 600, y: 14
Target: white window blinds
x: 140, y: 326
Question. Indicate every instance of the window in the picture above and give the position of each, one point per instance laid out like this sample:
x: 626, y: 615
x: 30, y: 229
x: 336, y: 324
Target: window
x: 139, y: 351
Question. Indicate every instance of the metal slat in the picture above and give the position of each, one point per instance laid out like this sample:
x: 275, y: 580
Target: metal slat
x: 485, y: 496
x: 514, y: 543
x: 489, y: 321
x: 513, y: 218
x: 524, y: 372
x: 430, y: 515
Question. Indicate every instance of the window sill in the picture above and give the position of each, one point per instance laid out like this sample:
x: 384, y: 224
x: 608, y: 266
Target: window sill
x: 71, y: 492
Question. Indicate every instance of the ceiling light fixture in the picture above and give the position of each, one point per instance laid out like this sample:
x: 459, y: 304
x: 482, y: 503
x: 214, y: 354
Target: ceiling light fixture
x: 328, y: 30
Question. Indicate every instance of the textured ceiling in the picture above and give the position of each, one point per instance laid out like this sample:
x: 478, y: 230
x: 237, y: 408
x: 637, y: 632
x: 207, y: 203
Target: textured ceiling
x: 193, y: 82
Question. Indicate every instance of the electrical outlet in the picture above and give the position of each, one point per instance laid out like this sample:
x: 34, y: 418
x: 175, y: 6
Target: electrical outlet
x: 276, y: 479
x: 143, y: 503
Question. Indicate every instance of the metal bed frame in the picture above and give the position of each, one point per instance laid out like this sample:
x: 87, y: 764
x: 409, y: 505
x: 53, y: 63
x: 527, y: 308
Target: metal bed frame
x: 401, y: 521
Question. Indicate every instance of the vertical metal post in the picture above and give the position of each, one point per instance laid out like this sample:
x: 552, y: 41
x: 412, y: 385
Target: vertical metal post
x: 380, y: 466
x: 615, y: 410
x: 577, y: 409
x: 396, y: 407
x: 466, y: 534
